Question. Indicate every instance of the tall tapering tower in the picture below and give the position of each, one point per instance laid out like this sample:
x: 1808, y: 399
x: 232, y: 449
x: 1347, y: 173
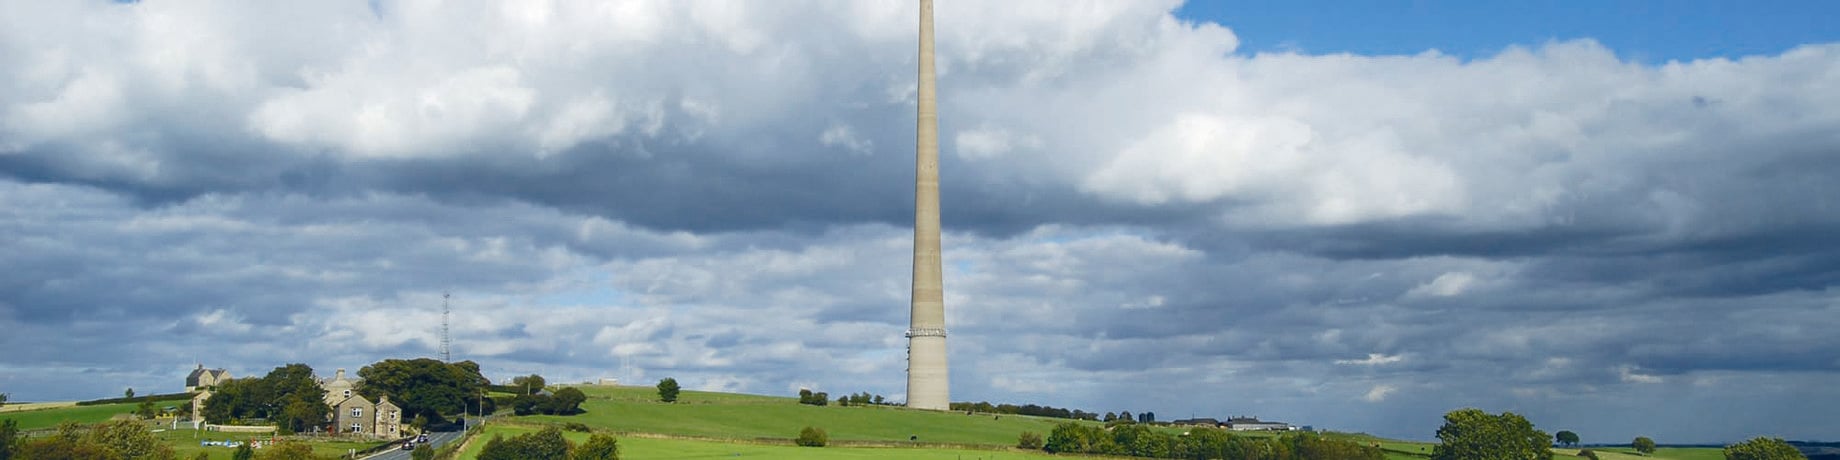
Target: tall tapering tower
x: 926, y: 331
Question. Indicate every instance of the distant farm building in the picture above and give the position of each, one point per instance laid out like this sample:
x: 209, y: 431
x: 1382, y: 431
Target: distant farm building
x: 202, y: 378
x: 1254, y: 424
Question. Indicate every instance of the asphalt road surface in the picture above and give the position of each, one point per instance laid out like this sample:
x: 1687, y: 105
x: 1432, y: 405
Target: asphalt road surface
x: 435, y: 440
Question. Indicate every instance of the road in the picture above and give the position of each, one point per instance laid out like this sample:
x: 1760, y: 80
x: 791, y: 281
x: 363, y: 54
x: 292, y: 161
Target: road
x: 435, y: 440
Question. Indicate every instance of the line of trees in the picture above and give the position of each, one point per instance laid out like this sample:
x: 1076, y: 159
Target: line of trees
x: 807, y: 397
x: 1125, y: 417
x: 1142, y: 441
x: 863, y: 399
x: 289, y: 396
x: 566, y: 401
x: 1029, y: 409
x: 426, y: 387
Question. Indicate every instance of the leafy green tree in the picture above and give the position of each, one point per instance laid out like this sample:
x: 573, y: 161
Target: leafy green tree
x: 1566, y: 437
x: 296, y: 401
x: 528, y: 404
x: 547, y: 444
x: 229, y: 401
x: 145, y: 410
x: 812, y: 437
x: 531, y: 384
x: 128, y: 394
x: 62, y: 446
x: 567, y: 401
x: 600, y: 446
x: 1471, y: 434
x: 3, y: 399
x: 1081, y: 439
x: 1643, y: 444
x: 243, y: 452
x: 667, y: 390
x: 9, y: 438
x: 289, y: 396
x: 127, y: 439
x: 1763, y: 449
x: 423, y: 386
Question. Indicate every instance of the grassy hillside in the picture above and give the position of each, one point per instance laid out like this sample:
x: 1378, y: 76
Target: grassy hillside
x: 707, y: 425
x: 49, y: 417
x: 731, y: 416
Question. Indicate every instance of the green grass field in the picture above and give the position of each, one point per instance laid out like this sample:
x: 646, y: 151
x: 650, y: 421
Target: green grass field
x: 717, y: 415
x: 48, y: 418
x: 185, y: 443
x: 645, y: 448
x: 1664, y: 453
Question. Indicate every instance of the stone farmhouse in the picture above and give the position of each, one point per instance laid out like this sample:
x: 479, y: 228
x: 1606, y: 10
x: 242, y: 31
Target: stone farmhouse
x: 202, y: 378
x: 351, y: 413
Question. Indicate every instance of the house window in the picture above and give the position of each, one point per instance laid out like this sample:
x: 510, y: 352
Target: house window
x: 356, y: 428
x: 357, y: 412
x: 348, y: 393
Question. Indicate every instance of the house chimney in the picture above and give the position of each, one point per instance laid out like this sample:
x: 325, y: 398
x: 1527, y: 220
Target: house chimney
x: 340, y: 375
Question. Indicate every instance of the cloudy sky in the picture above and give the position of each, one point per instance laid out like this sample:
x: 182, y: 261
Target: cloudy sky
x: 1618, y: 220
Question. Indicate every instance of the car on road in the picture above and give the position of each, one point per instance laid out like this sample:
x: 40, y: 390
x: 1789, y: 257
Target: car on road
x: 409, y: 445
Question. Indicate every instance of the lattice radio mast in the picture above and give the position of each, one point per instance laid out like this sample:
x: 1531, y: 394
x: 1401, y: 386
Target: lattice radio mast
x: 446, y: 352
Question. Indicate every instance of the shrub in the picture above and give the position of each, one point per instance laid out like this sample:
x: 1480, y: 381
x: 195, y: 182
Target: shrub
x: 598, y: 447
x: 813, y: 437
x: 1587, y: 453
x: 576, y: 427
x: 1029, y: 440
x: 1643, y: 444
x: 547, y: 444
x: 202, y: 456
x: 1763, y: 449
x: 667, y: 390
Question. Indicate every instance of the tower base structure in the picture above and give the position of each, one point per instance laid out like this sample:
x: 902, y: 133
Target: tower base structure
x: 927, y: 378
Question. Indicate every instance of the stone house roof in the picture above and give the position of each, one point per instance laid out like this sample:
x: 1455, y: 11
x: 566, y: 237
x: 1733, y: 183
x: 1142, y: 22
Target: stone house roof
x: 202, y: 377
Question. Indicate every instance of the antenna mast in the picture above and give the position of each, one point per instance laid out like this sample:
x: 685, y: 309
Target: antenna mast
x: 446, y: 351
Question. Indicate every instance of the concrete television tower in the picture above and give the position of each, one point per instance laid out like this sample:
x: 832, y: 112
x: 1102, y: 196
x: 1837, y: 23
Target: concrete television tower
x: 926, y: 332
